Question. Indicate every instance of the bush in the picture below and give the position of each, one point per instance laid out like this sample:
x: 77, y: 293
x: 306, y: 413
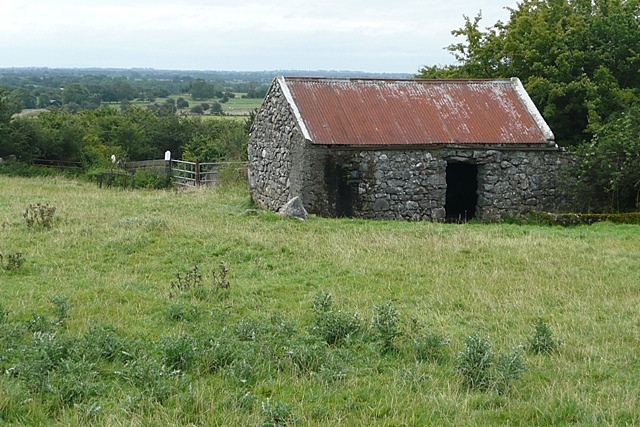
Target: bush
x: 608, y: 167
x: 151, y: 180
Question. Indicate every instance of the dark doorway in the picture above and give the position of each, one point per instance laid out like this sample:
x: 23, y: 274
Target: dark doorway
x: 462, y: 192
x: 340, y: 193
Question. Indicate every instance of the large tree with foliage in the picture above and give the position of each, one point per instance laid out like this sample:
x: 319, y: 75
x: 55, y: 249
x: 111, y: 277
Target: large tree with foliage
x: 578, y: 59
x: 8, y: 107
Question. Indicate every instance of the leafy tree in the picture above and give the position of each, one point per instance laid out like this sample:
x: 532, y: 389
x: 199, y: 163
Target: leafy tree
x: 44, y: 101
x: 200, y: 89
x: 216, y: 109
x: 182, y: 103
x: 217, y: 140
x: 121, y: 89
x: 609, y: 166
x: 76, y: 94
x: 26, y: 97
x: 54, y: 135
x: 167, y: 108
x: 578, y: 59
x: 8, y: 107
x: 197, y: 109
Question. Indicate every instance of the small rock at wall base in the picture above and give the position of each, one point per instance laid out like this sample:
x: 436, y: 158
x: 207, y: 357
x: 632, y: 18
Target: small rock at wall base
x: 294, y: 209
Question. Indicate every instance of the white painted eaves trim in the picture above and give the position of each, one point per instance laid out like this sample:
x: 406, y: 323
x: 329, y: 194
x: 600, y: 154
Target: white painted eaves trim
x: 287, y: 94
x: 533, y: 110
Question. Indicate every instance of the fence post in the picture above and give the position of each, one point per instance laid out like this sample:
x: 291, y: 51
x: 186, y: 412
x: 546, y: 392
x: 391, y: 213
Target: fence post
x: 167, y: 160
x: 197, y: 173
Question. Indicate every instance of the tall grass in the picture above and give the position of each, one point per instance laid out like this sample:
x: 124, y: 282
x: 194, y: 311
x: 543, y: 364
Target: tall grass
x: 128, y: 350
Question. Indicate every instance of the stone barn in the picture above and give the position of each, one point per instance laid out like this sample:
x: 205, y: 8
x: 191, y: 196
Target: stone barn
x: 404, y: 149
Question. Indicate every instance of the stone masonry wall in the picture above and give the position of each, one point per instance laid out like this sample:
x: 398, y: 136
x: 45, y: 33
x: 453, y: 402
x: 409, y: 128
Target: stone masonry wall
x: 412, y: 185
x: 271, y: 152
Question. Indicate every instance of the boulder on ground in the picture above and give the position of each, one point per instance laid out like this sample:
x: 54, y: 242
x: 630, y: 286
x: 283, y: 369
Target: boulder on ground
x: 294, y: 209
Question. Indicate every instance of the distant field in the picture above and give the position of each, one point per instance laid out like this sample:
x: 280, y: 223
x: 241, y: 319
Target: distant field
x: 241, y: 106
x: 106, y: 322
x: 236, y: 107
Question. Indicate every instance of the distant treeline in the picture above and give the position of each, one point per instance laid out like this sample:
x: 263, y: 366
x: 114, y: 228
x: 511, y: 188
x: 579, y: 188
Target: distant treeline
x: 39, y: 88
x: 88, y: 88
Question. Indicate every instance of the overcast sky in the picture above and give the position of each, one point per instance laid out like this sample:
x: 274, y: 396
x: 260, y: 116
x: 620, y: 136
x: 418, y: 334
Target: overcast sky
x: 237, y: 35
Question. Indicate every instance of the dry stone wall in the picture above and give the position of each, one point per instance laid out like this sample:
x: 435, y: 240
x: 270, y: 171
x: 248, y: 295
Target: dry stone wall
x: 273, y: 146
x: 412, y: 185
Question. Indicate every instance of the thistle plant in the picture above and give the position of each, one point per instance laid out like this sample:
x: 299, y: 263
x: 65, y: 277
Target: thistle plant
x: 39, y: 214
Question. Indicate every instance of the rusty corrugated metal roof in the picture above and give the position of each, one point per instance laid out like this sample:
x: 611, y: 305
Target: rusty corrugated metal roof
x: 415, y: 112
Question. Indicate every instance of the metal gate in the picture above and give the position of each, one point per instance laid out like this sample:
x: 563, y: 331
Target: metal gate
x: 196, y: 174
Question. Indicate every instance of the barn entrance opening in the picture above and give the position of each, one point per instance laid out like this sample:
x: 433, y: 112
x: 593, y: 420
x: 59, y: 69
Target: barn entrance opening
x: 340, y: 193
x: 462, y: 192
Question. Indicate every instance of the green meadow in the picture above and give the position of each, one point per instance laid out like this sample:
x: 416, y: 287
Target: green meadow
x: 175, y: 308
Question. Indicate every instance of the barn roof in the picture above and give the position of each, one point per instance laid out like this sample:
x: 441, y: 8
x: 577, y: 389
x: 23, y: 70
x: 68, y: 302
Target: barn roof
x: 415, y: 112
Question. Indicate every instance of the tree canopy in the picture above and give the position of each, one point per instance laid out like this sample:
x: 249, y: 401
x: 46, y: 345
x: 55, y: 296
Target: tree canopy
x: 578, y: 59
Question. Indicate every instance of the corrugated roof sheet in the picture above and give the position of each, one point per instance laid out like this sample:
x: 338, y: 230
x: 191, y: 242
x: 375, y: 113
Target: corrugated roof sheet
x: 415, y: 112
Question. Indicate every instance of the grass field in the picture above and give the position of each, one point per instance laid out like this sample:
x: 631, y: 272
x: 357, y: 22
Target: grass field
x: 96, y: 328
x: 237, y: 107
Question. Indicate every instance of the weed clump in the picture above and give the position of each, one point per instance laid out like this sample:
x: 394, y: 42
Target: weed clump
x: 386, y: 326
x: 333, y: 326
x: 430, y: 347
x: 179, y: 353
x: 192, y: 283
x: 39, y: 214
x: 13, y: 261
x: 277, y: 413
x: 542, y: 340
x: 102, y: 343
x: 474, y: 363
x: 61, y: 308
x: 481, y: 370
x: 183, y: 313
x: 220, y: 277
x: 192, y: 280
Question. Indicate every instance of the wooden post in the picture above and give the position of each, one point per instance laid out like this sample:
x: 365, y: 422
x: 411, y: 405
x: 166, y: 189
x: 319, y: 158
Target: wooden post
x: 197, y: 173
x: 167, y: 161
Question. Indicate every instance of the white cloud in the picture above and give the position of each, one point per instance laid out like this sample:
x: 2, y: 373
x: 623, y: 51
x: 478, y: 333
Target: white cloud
x: 349, y: 34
